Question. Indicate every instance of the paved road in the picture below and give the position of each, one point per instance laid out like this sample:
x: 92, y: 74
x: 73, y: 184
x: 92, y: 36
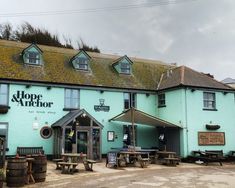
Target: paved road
x: 206, y: 177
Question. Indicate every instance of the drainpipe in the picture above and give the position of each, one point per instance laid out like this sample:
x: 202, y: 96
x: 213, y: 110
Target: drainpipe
x: 186, y: 118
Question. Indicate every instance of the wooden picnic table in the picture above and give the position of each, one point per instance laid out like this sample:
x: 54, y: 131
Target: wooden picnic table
x: 73, y: 157
x: 133, y: 157
x: 209, y: 156
x: 168, y: 157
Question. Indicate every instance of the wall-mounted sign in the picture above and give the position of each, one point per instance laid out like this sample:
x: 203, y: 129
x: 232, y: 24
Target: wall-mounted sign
x: 30, y: 100
x: 101, y: 107
x: 211, y: 138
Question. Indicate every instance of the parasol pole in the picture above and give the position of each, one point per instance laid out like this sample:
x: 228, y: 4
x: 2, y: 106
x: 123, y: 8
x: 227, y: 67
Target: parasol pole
x: 133, y: 128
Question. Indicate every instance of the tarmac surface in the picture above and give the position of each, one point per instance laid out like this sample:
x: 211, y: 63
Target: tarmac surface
x: 185, y: 175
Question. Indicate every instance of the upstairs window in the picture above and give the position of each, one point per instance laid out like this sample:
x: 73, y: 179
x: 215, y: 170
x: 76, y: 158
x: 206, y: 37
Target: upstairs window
x: 129, y: 100
x: 33, y: 58
x: 81, y: 63
x: 161, y: 100
x: 209, y: 101
x: 125, y: 68
x: 32, y: 55
x: 4, y: 94
x: 72, y: 98
x: 123, y: 65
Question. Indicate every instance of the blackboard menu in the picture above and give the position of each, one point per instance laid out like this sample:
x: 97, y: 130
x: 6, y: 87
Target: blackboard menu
x: 211, y: 138
x: 112, y: 158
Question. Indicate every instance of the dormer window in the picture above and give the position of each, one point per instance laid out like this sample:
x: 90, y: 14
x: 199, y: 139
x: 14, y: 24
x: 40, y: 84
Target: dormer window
x: 81, y: 61
x: 32, y: 55
x: 33, y: 58
x: 123, y: 65
x: 125, y: 68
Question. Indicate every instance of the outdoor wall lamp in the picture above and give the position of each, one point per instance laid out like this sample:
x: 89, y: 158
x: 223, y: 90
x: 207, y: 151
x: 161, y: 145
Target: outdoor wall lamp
x: 225, y: 92
x: 28, y: 86
x: 48, y: 87
x: 147, y: 94
x: 84, y: 115
x: 101, y: 91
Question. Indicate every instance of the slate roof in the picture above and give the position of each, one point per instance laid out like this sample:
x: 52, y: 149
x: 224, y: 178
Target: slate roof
x: 57, y: 68
x: 184, y: 76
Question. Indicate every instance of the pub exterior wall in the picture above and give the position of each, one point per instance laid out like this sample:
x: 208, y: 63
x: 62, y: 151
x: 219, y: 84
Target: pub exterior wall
x: 184, y: 108
x: 25, y: 122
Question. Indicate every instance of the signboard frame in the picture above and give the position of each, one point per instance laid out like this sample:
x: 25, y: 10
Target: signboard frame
x: 210, y: 142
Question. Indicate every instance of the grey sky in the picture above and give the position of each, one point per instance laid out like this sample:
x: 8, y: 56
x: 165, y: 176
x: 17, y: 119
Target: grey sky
x: 199, y: 34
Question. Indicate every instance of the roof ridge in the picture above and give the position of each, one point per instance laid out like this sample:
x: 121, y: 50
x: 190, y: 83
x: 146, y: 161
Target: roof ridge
x: 160, y: 81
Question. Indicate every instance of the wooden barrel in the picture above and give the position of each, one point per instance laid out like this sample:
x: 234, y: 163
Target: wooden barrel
x: 16, y: 172
x: 39, y: 167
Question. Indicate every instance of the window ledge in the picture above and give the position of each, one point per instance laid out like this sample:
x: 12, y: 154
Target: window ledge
x: 70, y: 109
x: 161, y: 106
x: 210, y: 109
x: 32, y: 64
x: 4, y: 109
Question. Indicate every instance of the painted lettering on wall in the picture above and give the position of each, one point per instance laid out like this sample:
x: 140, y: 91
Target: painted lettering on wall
x: 30, y: 100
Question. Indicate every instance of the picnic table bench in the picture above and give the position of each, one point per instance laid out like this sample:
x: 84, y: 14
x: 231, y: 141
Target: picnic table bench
x: 208, y: 156
x: 88, y: 164
x: 23, y: 151
x: 172, y: 161
x: 58, y: 167
x: 71, y: 167
x: 168, y: 157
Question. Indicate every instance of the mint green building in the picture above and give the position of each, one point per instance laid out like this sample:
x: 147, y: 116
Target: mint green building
x: 69, y: 101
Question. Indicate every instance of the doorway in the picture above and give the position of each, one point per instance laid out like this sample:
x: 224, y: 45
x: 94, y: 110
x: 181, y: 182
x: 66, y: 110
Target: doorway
x: 82, y: 142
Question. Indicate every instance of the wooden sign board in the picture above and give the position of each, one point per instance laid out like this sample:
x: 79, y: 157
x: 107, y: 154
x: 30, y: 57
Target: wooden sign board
x: 211, y: 138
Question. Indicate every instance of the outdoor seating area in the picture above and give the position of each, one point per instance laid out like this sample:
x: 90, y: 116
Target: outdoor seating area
x: 124, y: 157
x: 69, y: 163
x: 208, y: 156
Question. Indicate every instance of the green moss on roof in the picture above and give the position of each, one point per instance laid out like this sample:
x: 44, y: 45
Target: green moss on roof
x: 57, y: 69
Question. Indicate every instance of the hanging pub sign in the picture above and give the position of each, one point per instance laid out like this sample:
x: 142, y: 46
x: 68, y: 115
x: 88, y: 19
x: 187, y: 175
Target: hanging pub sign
x: 101, y: 107
x: 30, y: 100
x: 211, y: 138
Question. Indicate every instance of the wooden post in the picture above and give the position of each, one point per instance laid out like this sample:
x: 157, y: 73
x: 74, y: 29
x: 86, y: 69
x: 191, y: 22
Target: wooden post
x: 133, y: 126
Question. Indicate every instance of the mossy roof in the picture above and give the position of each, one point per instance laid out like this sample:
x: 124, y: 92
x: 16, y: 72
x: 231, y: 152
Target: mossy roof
x: 57, y: 69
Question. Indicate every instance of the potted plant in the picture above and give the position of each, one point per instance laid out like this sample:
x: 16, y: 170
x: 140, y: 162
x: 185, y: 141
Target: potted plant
x: 2, y: 177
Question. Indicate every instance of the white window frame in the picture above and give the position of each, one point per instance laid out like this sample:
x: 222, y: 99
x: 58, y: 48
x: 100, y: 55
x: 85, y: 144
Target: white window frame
x: 33, y: 58
x: 71, y: 98
x: 4, y: 94
x: 125, y: 68
x: 208, y: 102
x: 81, y: 63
